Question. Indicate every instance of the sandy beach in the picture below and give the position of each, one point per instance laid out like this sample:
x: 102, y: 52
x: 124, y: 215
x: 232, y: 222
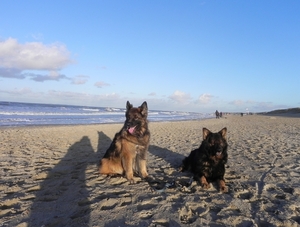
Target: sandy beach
x: 49, y: 176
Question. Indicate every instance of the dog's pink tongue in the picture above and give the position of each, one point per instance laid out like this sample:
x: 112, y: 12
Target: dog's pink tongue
x: 131, y: 130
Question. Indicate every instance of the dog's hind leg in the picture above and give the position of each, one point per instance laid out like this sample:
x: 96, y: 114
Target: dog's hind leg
x: 110, y: 167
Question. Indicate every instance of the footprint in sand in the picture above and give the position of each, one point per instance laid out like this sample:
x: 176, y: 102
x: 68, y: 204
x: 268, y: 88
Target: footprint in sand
x: 147, y: 205
x: 146, y: 209
x: 191, y: 211
x: 126, y: 200
x: 108, y: 201
x: 245, y: 196
x: 145, y: 214
x: 161, y: 222
x: 108, y: 204
x: 186, y: 215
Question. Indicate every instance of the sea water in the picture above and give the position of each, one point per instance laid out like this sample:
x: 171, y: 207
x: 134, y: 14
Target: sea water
x: 24, y: 114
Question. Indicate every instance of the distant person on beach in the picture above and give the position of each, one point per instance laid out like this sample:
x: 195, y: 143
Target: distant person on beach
x: 217, y: 114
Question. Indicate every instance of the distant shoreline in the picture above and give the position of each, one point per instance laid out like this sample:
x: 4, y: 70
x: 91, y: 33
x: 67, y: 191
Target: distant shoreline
x: 292, y: 112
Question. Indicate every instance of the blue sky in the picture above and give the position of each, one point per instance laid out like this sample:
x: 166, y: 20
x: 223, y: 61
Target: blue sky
x: 176, y: 55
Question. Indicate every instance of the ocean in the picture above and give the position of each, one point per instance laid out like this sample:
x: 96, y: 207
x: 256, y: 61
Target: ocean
x: 24, y: 114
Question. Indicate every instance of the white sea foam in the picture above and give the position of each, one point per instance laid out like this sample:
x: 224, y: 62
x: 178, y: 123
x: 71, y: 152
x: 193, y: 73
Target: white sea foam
x: 19, y: 114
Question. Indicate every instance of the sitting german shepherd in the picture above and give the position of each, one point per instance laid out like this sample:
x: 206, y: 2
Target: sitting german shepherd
x: 128, y: 150
x: 207, y: 163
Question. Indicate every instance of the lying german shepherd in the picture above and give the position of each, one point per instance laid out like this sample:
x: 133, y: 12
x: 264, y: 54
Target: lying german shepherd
x: 128, y: 150
x: 207, y: 163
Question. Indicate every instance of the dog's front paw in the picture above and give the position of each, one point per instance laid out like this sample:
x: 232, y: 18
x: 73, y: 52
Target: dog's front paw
x: 144, y: 175
x: 131, y: 181
x: 224, y: 189
x: 203, y: 182
x: 205, y: 185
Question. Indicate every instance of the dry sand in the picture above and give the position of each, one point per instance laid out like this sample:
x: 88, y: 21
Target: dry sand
x: 49, y: 176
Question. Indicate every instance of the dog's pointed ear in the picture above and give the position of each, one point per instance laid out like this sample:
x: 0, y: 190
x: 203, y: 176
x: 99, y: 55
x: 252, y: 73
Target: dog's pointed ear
x: 144, y: 108
x: 206, y: 132
x: 223, y: 132
x: 128, y: 105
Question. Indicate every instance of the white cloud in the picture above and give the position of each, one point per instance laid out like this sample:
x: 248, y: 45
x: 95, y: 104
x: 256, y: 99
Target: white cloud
x: 101, y: 84
x: 81, y: 95
x: 180, y: 97
x: 53, y: 75
x: 205, y: 98
x: 80, y: 79
x: 68, y: 94
x: 82, y: 98
x: 33, y: 55
x: 17, y: 74
x: 115, y: 100
x: 19, y: 61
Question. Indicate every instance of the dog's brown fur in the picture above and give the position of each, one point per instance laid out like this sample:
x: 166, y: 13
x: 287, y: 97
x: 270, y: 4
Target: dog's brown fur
x: 128, y: 150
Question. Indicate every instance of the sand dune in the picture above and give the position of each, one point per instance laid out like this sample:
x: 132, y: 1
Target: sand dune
x: 49, y: 176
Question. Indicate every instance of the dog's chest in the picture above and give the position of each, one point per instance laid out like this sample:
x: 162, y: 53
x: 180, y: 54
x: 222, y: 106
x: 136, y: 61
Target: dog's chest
x: 215, y: 160
x: 139, y: 148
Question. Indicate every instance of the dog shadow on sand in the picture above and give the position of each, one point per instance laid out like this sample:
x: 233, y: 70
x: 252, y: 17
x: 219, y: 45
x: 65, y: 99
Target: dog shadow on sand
x: 62, y: 199
x: 165, y: 168
x: 63, y: 196
x: 173, y: 159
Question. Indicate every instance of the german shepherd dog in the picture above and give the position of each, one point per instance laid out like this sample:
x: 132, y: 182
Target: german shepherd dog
x: 207, y: 163
x: 128, y: 150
